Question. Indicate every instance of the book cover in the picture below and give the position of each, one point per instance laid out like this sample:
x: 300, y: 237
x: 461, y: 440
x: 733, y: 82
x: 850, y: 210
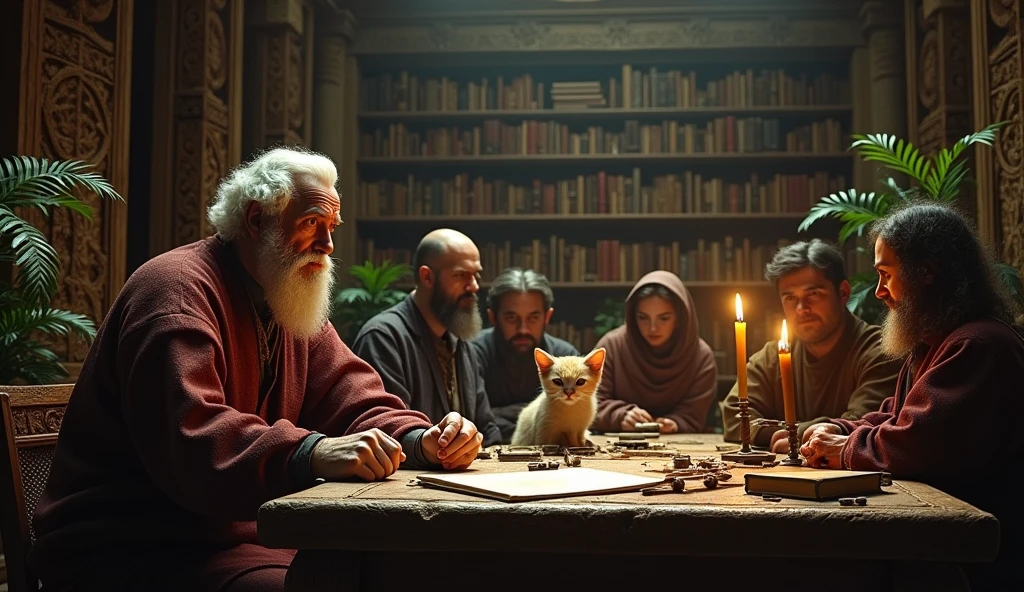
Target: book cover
x: 814, y: 485
x: 521, y: 486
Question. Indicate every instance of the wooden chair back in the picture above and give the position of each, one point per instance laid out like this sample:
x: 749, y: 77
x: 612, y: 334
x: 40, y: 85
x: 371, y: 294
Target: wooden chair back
x: 31, y: 417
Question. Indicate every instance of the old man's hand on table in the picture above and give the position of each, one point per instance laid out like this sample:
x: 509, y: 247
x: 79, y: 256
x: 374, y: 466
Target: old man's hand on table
x: 453, y: 442
x: 373, y: 455
x: 823, y: 446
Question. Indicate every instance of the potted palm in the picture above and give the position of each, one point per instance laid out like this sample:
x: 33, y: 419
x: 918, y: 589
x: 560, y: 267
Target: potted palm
x: 355, y: 305
x: 29, y: 183
x: 939, y: 178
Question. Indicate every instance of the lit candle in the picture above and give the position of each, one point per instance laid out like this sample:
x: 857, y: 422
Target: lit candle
x: 741, y: 350
x: 786, y: 368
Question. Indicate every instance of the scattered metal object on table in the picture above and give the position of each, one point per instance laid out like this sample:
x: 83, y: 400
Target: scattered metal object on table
x: 771, y: 498
x: 571, y: 460
x: 627, y: 437
x: 681, y: 461
x: 551, y: 449
x: 677, y: 486
x: 483, y: 455
x: 550, y: 465
x: 508, y: 455
x: 710, y: 481
x: 861, y: 501
x: 846, y: 501
x: 648, y: 426
x: 582, y: 450
x: 632, y: 444
x: 726, y: 447
x: 769, y: 464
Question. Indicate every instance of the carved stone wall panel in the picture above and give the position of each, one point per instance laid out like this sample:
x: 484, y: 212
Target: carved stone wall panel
x: 942, y: 31
x: 281, y: 35
x: 82, y: 65
x: 1003, y: 32
x: 610, y: 34
x: 197, y: 141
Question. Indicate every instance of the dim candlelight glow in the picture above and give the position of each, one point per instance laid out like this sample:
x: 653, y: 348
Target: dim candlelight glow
x: 739, y: 308
x: 784, y: 342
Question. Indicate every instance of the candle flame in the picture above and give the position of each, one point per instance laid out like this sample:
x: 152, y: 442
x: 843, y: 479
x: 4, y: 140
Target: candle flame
x: 784, y: 342
x: 739, y: 308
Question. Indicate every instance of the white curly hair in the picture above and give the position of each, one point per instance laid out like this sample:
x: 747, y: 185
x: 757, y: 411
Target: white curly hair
x: 269, y: 180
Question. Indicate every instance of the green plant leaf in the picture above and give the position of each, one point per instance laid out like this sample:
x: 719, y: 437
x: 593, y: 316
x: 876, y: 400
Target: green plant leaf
x: 1011, y: 277
x: 893, y: 152
x: 18, y: 322
x: 37, y: 261
x: 855, y: 210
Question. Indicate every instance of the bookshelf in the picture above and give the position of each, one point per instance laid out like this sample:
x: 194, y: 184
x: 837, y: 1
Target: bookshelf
x: 595, y: 164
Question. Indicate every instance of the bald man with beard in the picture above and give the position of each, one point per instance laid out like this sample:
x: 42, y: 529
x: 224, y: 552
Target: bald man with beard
x: 420, y: 346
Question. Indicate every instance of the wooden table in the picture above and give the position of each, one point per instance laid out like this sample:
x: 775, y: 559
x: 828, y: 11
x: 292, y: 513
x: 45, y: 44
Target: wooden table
x: 391, y: 535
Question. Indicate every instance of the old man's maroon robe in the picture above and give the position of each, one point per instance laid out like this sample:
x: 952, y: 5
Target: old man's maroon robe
x: 167, y: 451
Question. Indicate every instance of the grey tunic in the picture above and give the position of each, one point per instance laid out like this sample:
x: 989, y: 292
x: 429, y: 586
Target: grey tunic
x: 399, y: 345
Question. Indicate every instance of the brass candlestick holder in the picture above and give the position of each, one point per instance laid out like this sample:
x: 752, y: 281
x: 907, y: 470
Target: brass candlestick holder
x: 745, y: 455
x: 793, y: 459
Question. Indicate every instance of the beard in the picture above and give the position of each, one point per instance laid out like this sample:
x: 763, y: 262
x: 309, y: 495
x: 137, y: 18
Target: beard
x: 463, y: 323
x: 903, y: 328
x: 524, y: 344
x: 299, y: 299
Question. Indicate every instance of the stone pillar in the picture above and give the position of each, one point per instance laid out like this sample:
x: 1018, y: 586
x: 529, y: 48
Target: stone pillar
x: 334, y: 116
x: 278, y: 74
x: 882, y: 22
x: 943, y: 77
x: 196, y: 113
x: 998, y: 73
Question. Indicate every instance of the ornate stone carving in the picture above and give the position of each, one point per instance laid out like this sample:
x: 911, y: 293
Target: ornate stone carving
x: 670, y: 32
x: 200, y: 134
x: 285, y: 86
x: 928, y: 70
x: 942, y: 73
x: 34, y: 421
x: 82, y: 76
x: 1005, y: 71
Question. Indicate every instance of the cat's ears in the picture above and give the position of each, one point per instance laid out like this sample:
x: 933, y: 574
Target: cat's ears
x: 543, y: 359
x: 595, y: 359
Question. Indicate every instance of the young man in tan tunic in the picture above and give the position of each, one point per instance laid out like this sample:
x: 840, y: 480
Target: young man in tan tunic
x: 839, y: 369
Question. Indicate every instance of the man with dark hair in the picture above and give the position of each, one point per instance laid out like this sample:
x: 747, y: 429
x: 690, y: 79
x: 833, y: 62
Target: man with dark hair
x: 420, y: 345
x: 519, y: 306
x: 839, y: 369
x: 951, y: 420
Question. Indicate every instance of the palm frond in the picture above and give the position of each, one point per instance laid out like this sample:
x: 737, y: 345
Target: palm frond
x: 855, y: 210
x: 28, y: 178
x: 17, y: 322
x: 352, y: 296
x: 985, y: 136
x: 895, y: 153
x: 1012, y: 279
x: 36, y: 259
x: 949, y: 188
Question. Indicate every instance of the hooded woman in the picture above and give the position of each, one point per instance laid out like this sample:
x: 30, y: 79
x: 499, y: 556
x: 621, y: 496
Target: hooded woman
x: 657, y: 368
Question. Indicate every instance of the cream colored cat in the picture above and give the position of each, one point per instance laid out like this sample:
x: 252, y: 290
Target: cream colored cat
x: 565, y: 409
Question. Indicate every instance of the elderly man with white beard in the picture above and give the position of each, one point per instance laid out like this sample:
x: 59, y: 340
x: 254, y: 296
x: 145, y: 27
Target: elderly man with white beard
x: 420, y: 346
x: 216, y: 384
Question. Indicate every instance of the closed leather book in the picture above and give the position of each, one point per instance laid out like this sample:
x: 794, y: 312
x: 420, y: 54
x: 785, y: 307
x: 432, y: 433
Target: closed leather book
x: 814, y: 484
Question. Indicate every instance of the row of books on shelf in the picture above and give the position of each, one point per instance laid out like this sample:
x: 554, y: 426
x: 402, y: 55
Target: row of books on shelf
x: 611, y: 260
x: 600, y: 193
x: 634, y: 88
x: 717, y: 333
x: 721, y: 135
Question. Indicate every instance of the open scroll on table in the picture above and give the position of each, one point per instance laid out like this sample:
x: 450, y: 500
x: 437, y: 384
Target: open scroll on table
x: 521, y: 486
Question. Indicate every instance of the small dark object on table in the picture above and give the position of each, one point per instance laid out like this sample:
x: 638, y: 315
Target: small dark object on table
x: 770, y: 463
x: 648, y: 426
x: 633, y: 444
x: 582, y: 450
x: 551, y: 449
x: 483, y: 455
x: 518, y: 455
x: 861, y: 501
x: 681, y: 462
x: 710, y: 481
x: 771, y: 498
x: 571, y: 460
x: 543, y: 466
x: 678, y: 485
x: 846, y: 501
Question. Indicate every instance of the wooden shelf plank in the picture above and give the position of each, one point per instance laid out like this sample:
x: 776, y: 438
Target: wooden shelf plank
x: 557, y: 159
x: 607, y: 113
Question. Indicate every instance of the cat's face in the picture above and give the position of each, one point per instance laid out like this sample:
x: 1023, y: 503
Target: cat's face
x: 569, y: 379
